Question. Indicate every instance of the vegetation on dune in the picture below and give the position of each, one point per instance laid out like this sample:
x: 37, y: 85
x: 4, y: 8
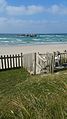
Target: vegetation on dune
x: 33, y: 97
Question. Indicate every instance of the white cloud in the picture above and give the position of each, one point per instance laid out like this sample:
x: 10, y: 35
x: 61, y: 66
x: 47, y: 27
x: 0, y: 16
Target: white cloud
x: 19, y: 10
x: 3, y: 5
x: 11, y: 23
x: 28, y: 26
x: 23, y: 26
x: 31, y: 9
x: 23, y: 10
x: 57, y: 9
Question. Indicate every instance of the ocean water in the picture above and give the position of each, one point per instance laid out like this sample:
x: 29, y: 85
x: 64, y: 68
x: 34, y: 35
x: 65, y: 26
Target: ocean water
x: 14, y: 39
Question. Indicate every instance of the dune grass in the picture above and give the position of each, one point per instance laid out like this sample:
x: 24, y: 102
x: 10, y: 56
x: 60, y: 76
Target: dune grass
x: 33, y: 97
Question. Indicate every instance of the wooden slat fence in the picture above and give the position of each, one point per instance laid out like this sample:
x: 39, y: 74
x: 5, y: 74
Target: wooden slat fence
x: 45, y: 62
x: 34, y: 62
x: 62, y: 57
x: 49, y: 62
x: 29, y: 62
x: 11, y: 61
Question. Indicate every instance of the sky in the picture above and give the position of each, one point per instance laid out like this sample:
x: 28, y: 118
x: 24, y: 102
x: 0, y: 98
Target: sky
x: 33, y: 16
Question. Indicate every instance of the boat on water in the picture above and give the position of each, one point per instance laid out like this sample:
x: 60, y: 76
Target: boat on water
x: 27, y: 35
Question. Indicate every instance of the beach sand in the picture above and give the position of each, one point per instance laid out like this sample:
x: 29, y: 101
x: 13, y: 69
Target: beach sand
x: 7, y: 50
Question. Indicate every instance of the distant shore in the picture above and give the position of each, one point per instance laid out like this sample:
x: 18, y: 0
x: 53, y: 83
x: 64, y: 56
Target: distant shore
x: 6, y: 49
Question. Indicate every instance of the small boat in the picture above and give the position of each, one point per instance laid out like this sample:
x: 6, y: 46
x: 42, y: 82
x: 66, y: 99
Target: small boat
x: 27, y: 35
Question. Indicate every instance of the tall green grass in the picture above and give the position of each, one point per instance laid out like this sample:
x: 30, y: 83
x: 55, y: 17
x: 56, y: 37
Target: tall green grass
x: 33, y: 97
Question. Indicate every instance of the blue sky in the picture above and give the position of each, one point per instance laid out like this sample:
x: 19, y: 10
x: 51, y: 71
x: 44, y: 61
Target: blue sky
x: 33, y: 16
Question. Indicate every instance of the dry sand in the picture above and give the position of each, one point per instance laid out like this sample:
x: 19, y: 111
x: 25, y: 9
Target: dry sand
x: 6, y: 50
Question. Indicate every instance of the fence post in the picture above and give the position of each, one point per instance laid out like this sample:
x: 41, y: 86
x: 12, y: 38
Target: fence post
x: 52, y: 63
x: 65, y: 57
x: 34, y: 63
x: 10, y: 62
x: 13, y: 62
x: 60, y: 59
x: 18, y: 60
x: 2, y: 62
x: 21, y: 60
x: 7, y: 61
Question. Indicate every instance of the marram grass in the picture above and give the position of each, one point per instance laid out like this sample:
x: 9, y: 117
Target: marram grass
x: 33, y: 97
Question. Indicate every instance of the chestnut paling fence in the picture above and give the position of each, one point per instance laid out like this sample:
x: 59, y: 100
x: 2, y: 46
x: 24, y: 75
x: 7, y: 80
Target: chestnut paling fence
x: 50, y: 62
x: 11, y: 61
x: 27, y: 61
x: 35, y: 63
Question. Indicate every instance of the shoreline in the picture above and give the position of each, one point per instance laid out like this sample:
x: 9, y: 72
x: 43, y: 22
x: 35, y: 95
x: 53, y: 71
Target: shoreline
x: 43, y: 48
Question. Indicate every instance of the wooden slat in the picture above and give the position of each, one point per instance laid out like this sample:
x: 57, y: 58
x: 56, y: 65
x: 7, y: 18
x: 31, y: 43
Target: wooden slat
x: 60, y: 59
x: 52, y: 64
x: 21, y: 60
x: 34, y: 63
x: 18, y: 60
x: 65, y: 58
x: 50, y: 67
x: 10, y: 62
x: 13, y: 62
x: 2, y: 62
x: 7, y: 62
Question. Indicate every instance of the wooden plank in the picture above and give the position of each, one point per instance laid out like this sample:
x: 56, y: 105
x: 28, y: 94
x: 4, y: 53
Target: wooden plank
x: 13, y: 62
x: 60, y: 59
x: 52, y: 64
x: 10, y: 62
x: 34, y: 63
x: 21, y: 60
x: 7, y: 62
x: 18, y: 60
x: 65, y: 58
x: 2, y: 62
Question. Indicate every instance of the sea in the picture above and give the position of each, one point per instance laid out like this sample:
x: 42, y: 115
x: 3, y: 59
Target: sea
x: 18, y: 39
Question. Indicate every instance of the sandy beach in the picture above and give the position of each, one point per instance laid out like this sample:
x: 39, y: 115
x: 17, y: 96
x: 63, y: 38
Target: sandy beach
x: 6, y: 50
